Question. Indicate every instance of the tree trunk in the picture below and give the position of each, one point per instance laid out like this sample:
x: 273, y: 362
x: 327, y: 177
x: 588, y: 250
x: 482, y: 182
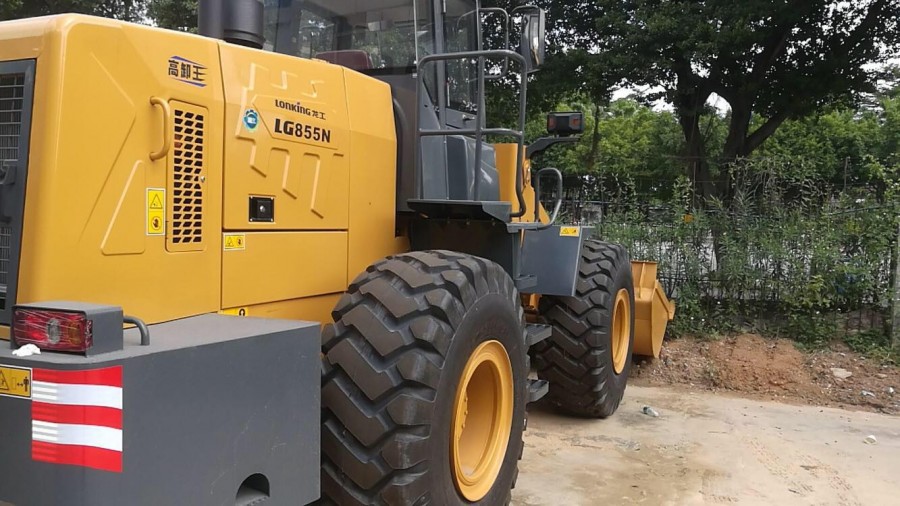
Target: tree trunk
x: 895, y: 303
x: 595, y: 140
x: 690, y: 103
x: 698, y: 169
x: 735, y: 149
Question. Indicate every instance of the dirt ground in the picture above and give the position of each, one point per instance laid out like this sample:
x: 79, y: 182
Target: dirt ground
x: 707, y: 448
x: 720, y: 438
x: 775, y: 369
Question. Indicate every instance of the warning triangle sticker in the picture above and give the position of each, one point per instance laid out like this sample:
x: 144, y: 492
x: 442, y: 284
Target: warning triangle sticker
x: 156, y: 203
x: 3, y: 384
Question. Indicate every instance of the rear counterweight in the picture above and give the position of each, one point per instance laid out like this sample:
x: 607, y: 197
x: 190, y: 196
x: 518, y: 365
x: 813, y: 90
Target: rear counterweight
x: 213, y: 403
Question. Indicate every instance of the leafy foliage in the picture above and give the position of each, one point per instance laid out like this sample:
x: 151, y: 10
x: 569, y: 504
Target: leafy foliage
x: 789, y: 257
x: 174, y: 14
x: 128, y: 10
x: 770, y: 60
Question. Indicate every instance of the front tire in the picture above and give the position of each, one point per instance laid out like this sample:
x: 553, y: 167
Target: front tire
x: 424, y: 384
x: 588, y: 356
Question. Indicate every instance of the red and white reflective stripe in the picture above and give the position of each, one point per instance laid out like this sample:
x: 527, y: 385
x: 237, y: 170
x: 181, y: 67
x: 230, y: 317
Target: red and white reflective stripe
x: 77, y: 395
x: 77, y: 435
x: 82, y: 456
x: 111, y: 377
x: 77, y: 415
x: 77, y: 418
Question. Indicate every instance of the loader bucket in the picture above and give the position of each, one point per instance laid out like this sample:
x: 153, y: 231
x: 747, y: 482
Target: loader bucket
x: 652, y: 310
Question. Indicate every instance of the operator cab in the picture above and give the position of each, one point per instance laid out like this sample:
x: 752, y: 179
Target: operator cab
x: 381, y: 38
x: 396, y: 41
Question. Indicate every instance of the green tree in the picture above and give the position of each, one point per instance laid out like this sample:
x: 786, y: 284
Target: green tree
x: 128, y: 10
x: 890, y: 146
x: 771, y: 60
x: 174, y: 14
x: 832, y: 145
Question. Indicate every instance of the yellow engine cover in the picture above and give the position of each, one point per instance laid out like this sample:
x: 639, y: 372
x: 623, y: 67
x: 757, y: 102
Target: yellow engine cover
x: 146, y: 147
x: 287, y: 138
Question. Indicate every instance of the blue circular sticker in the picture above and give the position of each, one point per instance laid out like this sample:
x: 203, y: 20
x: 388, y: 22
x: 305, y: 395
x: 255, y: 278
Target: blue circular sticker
x: 251, y: 120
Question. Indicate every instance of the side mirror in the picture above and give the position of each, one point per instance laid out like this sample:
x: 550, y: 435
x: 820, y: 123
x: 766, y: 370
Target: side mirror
x: 534, y: 39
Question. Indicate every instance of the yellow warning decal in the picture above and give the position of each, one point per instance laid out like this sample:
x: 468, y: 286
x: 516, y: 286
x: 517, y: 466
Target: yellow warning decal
x: 235, y: 242
x: 238, y: 311
x: 156, y: 211
x: 15, y: 382
x: 569, y: 231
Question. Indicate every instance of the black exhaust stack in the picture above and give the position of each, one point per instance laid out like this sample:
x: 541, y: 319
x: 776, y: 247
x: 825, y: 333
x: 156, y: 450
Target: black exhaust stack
x: 209, y: 18
x: 236, y: 21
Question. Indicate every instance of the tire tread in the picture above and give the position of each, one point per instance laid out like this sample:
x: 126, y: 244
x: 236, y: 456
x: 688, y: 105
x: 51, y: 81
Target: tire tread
x: 382, y: 360
x: 574, y: 359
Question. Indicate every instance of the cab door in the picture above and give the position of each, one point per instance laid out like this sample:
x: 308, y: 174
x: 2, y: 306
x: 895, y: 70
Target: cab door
x: 459, y: 32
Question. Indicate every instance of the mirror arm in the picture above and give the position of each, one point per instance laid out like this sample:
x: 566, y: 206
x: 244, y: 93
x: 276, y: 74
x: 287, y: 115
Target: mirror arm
x: 544, y: 143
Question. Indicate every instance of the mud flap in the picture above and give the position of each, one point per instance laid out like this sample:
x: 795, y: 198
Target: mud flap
x: 552, y: 257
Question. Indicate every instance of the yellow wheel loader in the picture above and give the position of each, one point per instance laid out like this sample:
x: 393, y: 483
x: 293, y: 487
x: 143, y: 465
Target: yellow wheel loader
x: 285, y: 260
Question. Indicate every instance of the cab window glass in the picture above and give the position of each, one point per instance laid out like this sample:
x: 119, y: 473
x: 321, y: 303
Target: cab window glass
x: 381, y: 35
x: 461, y: 35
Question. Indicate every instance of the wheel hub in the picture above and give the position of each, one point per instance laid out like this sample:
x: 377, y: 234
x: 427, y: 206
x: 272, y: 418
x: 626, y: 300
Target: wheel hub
x: 482, y: 420
x: 621, y: 330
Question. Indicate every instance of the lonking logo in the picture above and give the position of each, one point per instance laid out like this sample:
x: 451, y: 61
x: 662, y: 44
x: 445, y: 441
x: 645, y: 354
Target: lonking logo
x: 299, y: 108
x: 288, y: 106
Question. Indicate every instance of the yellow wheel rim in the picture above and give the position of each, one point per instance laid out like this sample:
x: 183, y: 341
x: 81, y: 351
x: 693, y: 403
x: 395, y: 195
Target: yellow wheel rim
x: 482, y: 420
x: 621, y: 330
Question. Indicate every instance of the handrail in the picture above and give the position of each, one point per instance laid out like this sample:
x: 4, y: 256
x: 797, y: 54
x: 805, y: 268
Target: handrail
x: 167, y: 120
x: 479, y: 131
x: 537, y: 197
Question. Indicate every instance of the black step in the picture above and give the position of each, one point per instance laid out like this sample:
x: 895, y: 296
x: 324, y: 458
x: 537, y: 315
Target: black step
x: 536, y: 332
x: 537, y: 389
x: 519, y: 226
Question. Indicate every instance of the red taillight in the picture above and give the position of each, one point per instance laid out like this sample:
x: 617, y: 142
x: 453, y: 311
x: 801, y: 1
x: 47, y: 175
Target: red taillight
x: 52, y: 330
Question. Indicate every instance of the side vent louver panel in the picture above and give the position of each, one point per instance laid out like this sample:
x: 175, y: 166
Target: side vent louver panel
x: 12, y: 91
x: 187, y: 178
x: 16, y: 102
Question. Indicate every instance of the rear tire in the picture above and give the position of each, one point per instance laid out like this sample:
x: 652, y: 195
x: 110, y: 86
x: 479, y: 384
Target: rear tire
x: 407, y: 334
x: 588, y: 357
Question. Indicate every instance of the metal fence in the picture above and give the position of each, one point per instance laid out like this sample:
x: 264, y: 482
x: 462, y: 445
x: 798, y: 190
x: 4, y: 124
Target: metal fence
x: 809, y: 266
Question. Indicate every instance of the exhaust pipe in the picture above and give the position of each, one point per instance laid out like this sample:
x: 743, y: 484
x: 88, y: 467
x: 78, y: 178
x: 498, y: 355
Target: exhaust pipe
x: 209, y: 19
x: 239, y: 22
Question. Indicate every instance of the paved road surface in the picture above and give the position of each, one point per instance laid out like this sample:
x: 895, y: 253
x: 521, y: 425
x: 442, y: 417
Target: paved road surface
x: 710, y: 449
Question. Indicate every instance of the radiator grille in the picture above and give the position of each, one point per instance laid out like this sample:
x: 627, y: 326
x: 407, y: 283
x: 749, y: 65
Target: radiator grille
x: 187, y: 179
x: 12, y: 97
